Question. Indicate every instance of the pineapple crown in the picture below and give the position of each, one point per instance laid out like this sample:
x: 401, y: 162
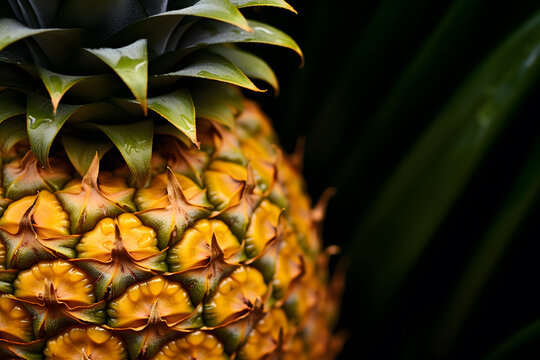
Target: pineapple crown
x: 102, y: 73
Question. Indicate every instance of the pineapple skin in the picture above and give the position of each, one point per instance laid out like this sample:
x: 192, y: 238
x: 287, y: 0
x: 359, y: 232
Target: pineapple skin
x: 217, y: 257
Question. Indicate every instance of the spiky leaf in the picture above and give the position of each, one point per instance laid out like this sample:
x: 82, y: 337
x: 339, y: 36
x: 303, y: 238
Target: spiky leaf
x: 211, y: 66
x: 11, y: 104
x: 131, y: 64
x: 135, y: 144
x: 12, y: 31
x: 13, y: 130
x: 275, y: 3
x: 251, y: 65
x: 80, y: 151
x: 178, y: 108
x: 57, y: 84
x: 221, y: 10
x: 212, y: 32
x: 43, y: 124
x: 213, y: 101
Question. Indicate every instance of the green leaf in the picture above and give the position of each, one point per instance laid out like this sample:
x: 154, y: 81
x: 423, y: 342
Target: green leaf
x: 159, y: 27
x: 153, y: 7
x: 57, y: 84
x: 97, y: 88
x: 178, y: 108
x: 13, y: 130
x: 101, y: 18
x: 424, y: 187
x: 81, y: 152
x: 43, y: 125
x: 517, y: 205
x: 57, y: 48
x: 275, y: 3
x: 156, y: 29
x: 207, y: 65
x: 99, y: 110
x: 520, y: 345
x: 135, y: 144
x: 211, y: 32
x: 44, y: 11
x: 12, y: 31
x: 11, y: 104
x: 131, y: 64
x: 170, y: 129
x: 217, y: 101
x: 12, y: 76
x: 221, y: 10
x: 422, y: 74
x: 248, y: 63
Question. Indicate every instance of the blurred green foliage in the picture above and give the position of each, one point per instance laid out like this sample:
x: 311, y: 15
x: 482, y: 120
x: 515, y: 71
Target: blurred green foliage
x: 424, y: 115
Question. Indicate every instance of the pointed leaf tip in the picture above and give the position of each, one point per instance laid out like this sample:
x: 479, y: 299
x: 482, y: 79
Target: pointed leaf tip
x: 249, y: 64
x: 12, y: 31
x: 206, y: 33
x: 130, y: 63
x: 178, y: 108
x: 207, y: 65
x: 57, y: 84
x: 43, y: 125
x: 80, y: 152
x: 221, y: 10
x: 134, y: 141
x: 274, y: 3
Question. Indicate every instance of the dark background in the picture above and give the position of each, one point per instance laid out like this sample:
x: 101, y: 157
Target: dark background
x: 355, y: 53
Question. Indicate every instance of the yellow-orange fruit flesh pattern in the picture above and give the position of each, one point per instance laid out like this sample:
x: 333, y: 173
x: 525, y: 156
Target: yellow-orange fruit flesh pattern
x: 217, y: 256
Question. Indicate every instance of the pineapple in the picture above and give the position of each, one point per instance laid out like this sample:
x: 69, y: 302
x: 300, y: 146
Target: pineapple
x: 146, y: 210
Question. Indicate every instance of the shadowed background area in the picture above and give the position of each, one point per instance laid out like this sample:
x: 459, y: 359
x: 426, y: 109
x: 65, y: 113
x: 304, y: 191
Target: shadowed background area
x: 424, y: 115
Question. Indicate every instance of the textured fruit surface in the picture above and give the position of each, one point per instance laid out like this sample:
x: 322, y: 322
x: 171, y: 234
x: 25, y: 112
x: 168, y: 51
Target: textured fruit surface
x: 216, y: 257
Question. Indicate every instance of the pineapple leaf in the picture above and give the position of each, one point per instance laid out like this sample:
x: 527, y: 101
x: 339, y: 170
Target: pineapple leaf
x: 12, y: 31
x: 425, y: 185
x: 210, y: 32
x: 13, y: 77
x: 519, y: 201
x: 43, y: 11
x: 170, y: 129
x: 153, y: 7
x: 217, y: 101
x: 221, y: 10
x: 135, y: 144
x: 98, y: 110
x: 275, y: 3
x: 248, y: 63
x: 131, y: 64
x: 57, y: 84
x: 81, y: 152
x: 520, y: 344
x: 13, y: 130
x: 101, y: 19
x: 11, y: 104
x: 207, y: 65
x: 43, y: 125
x: 158, y: 28
x: 178, y: 108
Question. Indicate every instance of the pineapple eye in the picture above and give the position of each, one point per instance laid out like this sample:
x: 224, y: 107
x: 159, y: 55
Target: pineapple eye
x: 235, y: 296
x: 195, y: 248
x: 85, y: 343
x: 55, y: 281
x: 198, y: 344
x: 15, y: 321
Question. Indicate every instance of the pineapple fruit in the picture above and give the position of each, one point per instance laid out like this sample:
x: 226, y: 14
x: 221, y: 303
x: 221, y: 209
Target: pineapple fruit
x: 146, y: 209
